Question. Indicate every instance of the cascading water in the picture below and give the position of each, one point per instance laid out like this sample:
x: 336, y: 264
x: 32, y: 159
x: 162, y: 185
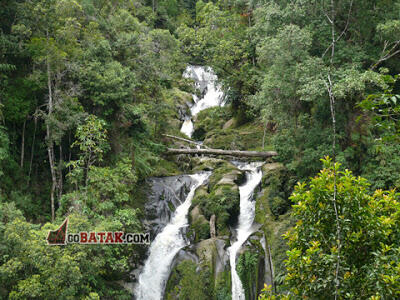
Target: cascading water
x: 165, y: 246
x: 246, y: 218
x: 206, y: 82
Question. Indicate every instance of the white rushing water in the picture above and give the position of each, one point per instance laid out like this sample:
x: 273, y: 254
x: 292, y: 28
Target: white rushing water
x: 246, y: 218
x: 212, y: 95
x: 187, y: 127
x: 163, y: 249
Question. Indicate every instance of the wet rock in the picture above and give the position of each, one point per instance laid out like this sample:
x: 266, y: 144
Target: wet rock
x: 165, y: 195
x: 232, y: 178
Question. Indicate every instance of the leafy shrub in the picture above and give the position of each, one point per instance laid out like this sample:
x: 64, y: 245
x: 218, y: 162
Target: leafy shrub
x: 367, y: 247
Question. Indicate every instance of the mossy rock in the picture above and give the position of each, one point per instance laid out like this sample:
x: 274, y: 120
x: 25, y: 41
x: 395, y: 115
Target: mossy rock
x: 199, y: 226
x: 175, y: 98
x: 165, y: 168
x: 275, y: 222
x: 277, y: 188
x: 224, y: 202
x: 231, y: 123
x: 223, y: 285
x: 227, y: 170
x: 210, y: 119
x: 250, y: 267
x: 206, y: 163
x: 188, y: 282
x: 234, y: 177
x: 222, y: 196
x: 246, y: 137
x: 207, y: 252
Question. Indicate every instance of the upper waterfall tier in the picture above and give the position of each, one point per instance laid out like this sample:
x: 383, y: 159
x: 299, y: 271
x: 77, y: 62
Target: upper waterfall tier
x: 210, y: 91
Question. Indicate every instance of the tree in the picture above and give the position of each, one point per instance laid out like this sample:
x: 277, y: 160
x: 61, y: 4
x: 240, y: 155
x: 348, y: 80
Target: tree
x: 91, y: 138
x: 50, y: 29
x: 385, y: 110
x: 369, y: 239
x: 29, y: 268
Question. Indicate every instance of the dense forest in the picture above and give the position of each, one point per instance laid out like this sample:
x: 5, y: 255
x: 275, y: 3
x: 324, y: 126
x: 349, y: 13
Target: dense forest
x: 89, y: 89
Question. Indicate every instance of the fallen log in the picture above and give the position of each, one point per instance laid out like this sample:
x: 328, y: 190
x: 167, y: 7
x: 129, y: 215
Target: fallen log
x: 237, y: 153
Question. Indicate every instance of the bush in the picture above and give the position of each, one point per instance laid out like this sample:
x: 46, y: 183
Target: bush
x: 367, y: 247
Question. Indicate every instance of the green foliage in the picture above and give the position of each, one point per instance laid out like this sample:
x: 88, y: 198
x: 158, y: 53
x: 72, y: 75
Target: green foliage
x: 210, y: 119
x: 190, y: 284
x: 220, y: 39
x: 108, y: 189
x: 91, y: 138
x: 29, y: 268
x: 223, y: 201
x: 385, y: 110
x: 117, y: 65
x: 368, y: 225
x: 247, y: 269
x: 382, y: 169
x: 4, y: 148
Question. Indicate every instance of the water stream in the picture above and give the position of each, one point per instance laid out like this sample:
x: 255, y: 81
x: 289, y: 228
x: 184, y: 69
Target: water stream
x: 166, y: 245
x: 211, y: 94
x: 245, y: 224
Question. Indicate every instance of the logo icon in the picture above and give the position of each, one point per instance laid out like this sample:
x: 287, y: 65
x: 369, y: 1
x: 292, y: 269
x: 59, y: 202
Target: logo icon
x: 58, y: 237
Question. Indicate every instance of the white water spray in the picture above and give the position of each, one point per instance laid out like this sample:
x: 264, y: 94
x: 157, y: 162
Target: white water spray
x: 187, y: 126
x: 206, y: 82
x: 246, y: 218
x: 163, y: 249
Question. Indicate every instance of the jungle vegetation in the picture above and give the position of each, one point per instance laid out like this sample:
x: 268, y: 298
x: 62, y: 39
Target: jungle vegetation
x: 88, y: 87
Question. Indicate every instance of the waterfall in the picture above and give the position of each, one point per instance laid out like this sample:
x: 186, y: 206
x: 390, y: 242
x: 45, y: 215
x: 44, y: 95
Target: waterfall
x: 246, y: 218
x: 206, y: 81
x: 187, y: 126
x: 165, y: 246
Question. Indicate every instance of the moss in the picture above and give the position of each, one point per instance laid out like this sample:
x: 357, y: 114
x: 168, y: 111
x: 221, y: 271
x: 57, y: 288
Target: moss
x: 140, y: 195
x: 199, y: 228
x: 248, y: 136
x: 171, y: 206
x: 224, y: 202
x: 210, y: 119
x: 165, y: 167
x: 247, y: 267
x: 206, y: 250
x: 225, y: 169
x: 174, y: 98
x: 222, y: 197
x: 223, y: 286
x: 185, y: 282
x: 277, y: 188
x: 272, y: 212
x: 206, y: 163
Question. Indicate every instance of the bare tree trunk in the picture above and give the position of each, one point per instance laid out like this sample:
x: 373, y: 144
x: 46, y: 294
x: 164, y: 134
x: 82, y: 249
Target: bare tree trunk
x: 60, y: 177
x: 32, y: 149
x: 329, y: 85
x: 50, y: 148
x: 69, y: 151
x: 265, y: 132
x: 23, y: 145
x: 50, y: 151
